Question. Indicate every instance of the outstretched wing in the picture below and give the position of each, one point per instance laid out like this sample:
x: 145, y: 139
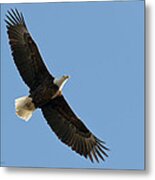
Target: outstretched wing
x: 24, y: 50
x: 72, y: 131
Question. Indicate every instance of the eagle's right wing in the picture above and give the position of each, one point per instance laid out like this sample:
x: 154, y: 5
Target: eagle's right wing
x: 24, y: 50
x: 72, y: 131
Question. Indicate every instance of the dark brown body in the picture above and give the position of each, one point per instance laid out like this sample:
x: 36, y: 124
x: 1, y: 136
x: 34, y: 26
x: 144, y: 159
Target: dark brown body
x: 44, y: 92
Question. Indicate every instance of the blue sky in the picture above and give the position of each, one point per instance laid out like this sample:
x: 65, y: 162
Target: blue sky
x: 101, y: 46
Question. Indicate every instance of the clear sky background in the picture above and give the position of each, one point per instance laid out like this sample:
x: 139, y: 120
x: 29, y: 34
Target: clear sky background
x: 101, y: 46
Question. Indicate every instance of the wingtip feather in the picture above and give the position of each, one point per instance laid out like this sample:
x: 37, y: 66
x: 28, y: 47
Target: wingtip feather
x: 14, y: 17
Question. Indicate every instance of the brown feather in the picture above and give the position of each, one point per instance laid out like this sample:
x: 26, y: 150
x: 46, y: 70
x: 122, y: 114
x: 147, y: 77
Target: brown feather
x: 24, y: 50
x: 71, y: 130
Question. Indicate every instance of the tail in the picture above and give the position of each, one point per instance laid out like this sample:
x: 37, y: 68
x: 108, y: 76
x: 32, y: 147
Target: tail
x: 24, y: 107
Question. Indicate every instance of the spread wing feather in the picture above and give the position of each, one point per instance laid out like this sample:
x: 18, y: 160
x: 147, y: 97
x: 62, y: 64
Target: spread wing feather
x: 24, y: 50
x: 72, y: 131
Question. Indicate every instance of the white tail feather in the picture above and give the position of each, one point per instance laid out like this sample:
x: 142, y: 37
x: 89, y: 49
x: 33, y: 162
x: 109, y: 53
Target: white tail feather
x: 24, y: 107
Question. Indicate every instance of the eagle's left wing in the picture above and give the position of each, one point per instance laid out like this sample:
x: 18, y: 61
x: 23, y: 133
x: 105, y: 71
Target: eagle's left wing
x: 25, y: 52
x: 72, y: 131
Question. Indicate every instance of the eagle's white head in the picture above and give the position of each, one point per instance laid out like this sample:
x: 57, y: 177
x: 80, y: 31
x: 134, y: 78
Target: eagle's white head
x: 60, y: 82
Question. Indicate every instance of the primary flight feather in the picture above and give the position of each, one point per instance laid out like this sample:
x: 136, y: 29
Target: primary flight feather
x: 46, y: 93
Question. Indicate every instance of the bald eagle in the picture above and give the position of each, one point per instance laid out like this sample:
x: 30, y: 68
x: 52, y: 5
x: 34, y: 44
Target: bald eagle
x: 45, y: 92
